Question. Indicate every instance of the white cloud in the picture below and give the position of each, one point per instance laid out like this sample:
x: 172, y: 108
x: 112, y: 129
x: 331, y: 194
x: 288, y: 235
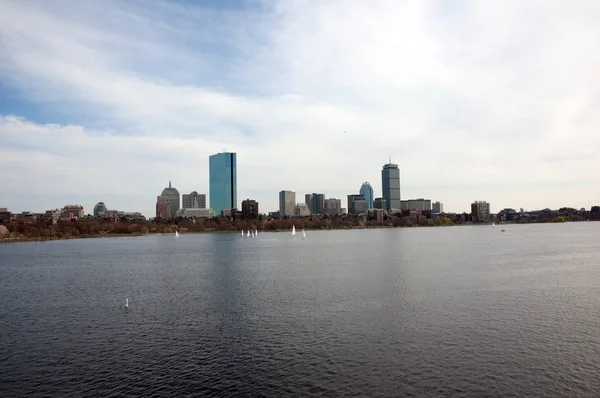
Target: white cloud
x: 474, y: 100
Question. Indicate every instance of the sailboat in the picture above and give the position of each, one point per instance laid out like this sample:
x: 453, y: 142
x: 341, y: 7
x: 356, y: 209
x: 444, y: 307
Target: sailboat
x: 248, y: 235
x: 256, y: 232
x: 176, y: 234
x: 242, y: 233
x: 303, y: 235
x: 293, y: 230
x: 126, y: 304
x: 493, y: 225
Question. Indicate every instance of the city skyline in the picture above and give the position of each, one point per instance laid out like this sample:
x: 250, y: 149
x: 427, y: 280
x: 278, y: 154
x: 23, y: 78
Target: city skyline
x: 107, y: 102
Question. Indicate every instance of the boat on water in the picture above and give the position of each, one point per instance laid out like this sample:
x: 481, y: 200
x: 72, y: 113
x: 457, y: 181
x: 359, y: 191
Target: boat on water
x: 303, y: 235
x: 176, y: 234
x: 293, y: 230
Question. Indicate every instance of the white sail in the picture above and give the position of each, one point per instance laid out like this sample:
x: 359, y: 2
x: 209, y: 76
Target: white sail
x: 242, y: 232
x: 126, y: 303
x: 248, y: 234
x: 256, y: 232
x: 176, y: 233
x: 293, y: 230
x: 303, y: 234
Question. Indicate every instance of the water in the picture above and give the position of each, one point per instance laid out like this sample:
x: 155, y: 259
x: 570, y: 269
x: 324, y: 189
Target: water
x: 424, y: 311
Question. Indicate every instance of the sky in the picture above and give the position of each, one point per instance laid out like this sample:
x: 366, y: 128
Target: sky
x: 109, y: 100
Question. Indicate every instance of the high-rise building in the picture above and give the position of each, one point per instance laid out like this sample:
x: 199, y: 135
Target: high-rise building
x: 437, y: 207
x: 315, y: 202
x: 390, y: 183
x: 99, y: 209
x: 172, y: 195
x: 287, y: 203
x: 366, y: 190
x: 223, y: 181
x: 480, y: 211
x: 193, y: 200
x: 249, y: 209
x: 332, y: 207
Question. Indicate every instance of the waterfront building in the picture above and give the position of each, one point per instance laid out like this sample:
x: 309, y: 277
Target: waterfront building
x: 174, y: 199
x: 100, y: 209
x: 360, y: 206
x: 163, y: 207
x: 437, y: 207
x: 332, y: 207
x: 480, y: 211
x: 390, y: 186
x: 366, y: 190
x: 379, y: 203
x: 287, y: 203
x: 193, y: 200
x: 249, y: 209
x: 72, y: 212
x: 415, y: 204
x: 223, y: 181
x: 302, y: 210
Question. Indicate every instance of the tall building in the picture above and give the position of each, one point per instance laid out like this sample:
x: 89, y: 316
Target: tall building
x: 172, y: 195
x: 390, y: 183
x: 99, y: 209
x: 193, y: 200
x: 480, y: 211
x: 437, y: 207
x: 332, y: 207
x: 366, y: 190
x: 223, y: 181
x: 287, y: 203
x: 249, y: 209
x: 315, y: 202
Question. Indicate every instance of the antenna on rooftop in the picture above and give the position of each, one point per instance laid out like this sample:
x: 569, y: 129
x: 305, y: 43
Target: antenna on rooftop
x: 390, y: 158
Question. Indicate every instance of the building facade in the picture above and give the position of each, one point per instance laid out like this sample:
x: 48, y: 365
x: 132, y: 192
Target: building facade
x: 315, y: 202
x: 287, y: 204
x: 480, y: 211
x: 223, y: 181
x: 353, y: 198
x: 71, y: 212
x: 99, y: 209
x: 366, y: 190
x: 437, y: 207
x: 379, y: 203
x: 174, y: 199
x: 249, y: 209
x: 415, y: 204
x: 195, y: 212
x: 163, y: 207
x: 193, y: 200
x: 390, y: 183
x: 332, y: 207
x: 302, y: 210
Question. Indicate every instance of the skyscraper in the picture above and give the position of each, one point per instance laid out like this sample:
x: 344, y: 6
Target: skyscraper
x: 171, y: 197
x: 287, y: 203
x: 366, y: 190
x: 315, y: 202
x: 390, y: 184
x: 223, y: 181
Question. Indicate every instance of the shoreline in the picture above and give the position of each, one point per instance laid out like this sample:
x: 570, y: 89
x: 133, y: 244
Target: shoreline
x: 21, y: 239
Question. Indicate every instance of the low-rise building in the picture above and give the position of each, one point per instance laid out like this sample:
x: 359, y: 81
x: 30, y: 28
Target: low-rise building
x: 196, y: 213
x: 302, y: 210
x: 249, y: 209
x: 71, y: 212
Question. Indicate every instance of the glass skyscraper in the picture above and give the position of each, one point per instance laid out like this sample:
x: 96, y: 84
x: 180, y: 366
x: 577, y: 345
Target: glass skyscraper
x: 390, y: 183
x: 223, y: 181
x: 366, y: 190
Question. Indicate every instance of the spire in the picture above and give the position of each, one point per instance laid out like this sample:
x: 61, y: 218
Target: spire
x: 169, y: 183
x: 390, y: 159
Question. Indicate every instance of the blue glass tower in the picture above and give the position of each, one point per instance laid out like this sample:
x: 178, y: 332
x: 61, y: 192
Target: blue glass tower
x: 366, y: 190
x: 223, y: 181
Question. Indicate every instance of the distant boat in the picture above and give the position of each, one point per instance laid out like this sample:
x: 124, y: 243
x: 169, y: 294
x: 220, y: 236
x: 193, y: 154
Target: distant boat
x: 303, y: 235
x: 126, y: 304
x: 248, y: 235
x: 502, y: 230
x: 493, y: 225
x: 293, y: 230
x: 176, y: 234
x: 242, y: 233
x: 256, y: 232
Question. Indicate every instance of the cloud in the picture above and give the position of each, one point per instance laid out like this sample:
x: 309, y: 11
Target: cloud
x: 474, y: 100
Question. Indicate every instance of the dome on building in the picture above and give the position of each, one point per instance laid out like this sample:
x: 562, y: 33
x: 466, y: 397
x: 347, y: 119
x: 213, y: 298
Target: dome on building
x: 170, y: 191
